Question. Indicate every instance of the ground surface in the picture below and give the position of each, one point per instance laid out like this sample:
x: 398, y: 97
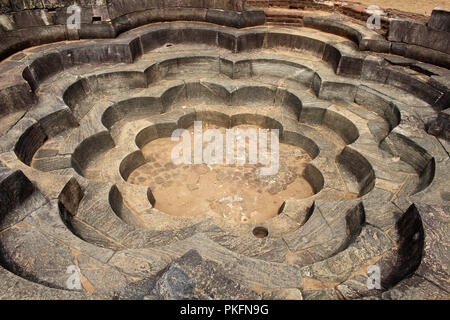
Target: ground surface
x: 421, y: 7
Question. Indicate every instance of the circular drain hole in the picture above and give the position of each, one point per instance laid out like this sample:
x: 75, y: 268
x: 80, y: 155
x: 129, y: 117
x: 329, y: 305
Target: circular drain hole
x: 260, y: 232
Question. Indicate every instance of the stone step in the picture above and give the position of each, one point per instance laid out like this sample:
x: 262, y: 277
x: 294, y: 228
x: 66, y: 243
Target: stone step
x: 44, y: 239
x: 331, y: 228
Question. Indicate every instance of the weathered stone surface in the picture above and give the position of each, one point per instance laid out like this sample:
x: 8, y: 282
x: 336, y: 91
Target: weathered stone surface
x: 398, y: 48
x: 287, y: 294
x: 96, y: 211
x: 265, y: 249
x: 356, y: 288
x: 24, y: 243
x: 138, y: 263
x: 17, y: 95
x: 334, y: 25
x: 324, y: 294
x: 191, y: 277
x: 13, y: 287
x: 61, y: 250
x: 400, y: 61
x: 405, y: 81
x: 441, y: 126
x: 419, y: 34
x: 52, y: 164
x: 398, y: 29
x: 436, y: 256
x: 137, y: 290
x: 412, y: 32
x: 34, y: 202
x: 107, y: 19
x: 71, y: 196
x: 49, y: 220
x: 415, y: 288
x: 78, y: 117
x: 14, y: 189
x: 405, y: 259
x: 374, y: 69
x: 442, y: 83
x: 379, y: 212
x: 422, y: 40
x: 427, y: 55
x: 369, y: 244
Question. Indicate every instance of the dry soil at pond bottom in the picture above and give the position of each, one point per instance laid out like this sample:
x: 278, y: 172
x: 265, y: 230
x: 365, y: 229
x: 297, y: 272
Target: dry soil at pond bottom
x: 238, y: 193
